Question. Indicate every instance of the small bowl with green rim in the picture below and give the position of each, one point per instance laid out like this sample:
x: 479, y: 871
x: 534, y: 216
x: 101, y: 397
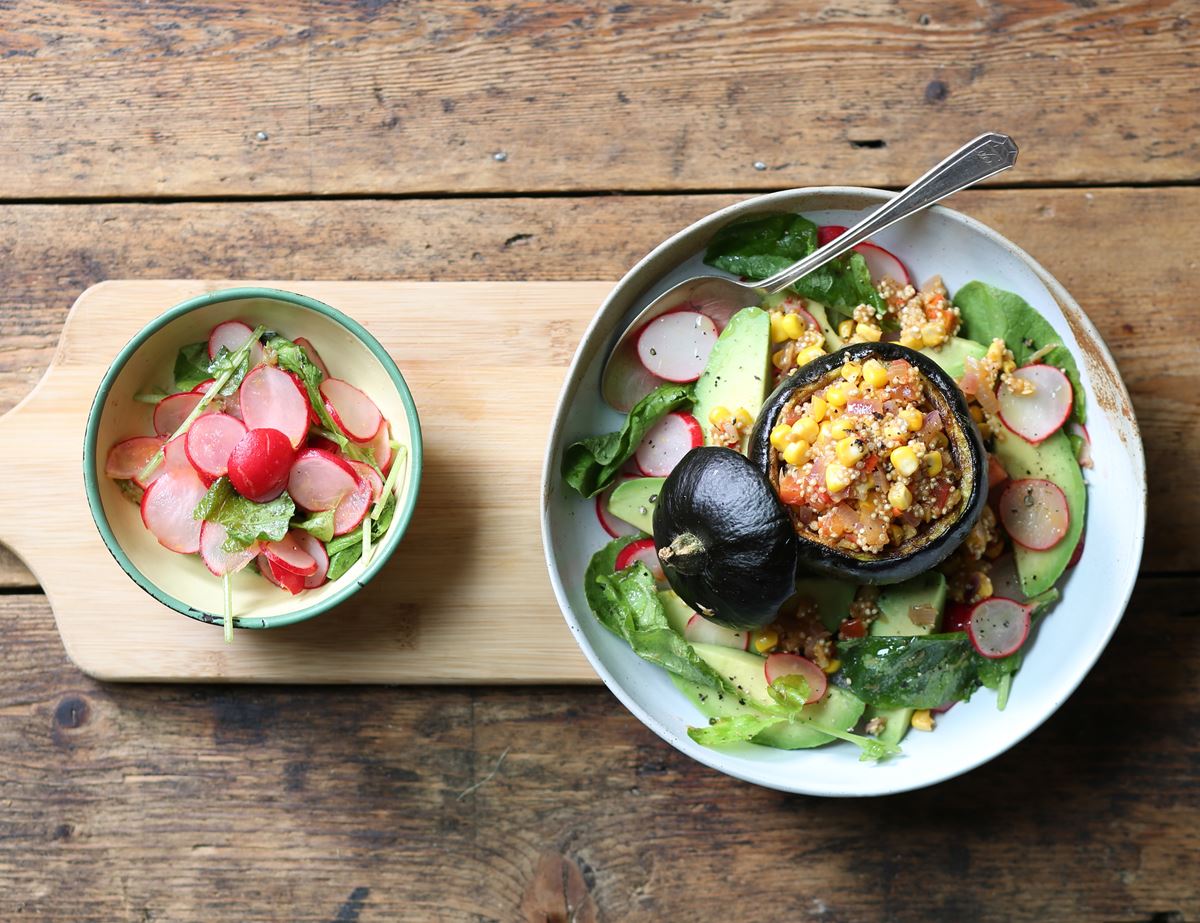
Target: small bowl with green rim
x: 181, y: 581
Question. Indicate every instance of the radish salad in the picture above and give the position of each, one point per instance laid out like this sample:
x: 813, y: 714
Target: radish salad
x: 845, y: 660
x: 260, y: 459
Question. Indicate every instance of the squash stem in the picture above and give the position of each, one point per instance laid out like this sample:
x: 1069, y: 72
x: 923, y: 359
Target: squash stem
x: 686, y: 553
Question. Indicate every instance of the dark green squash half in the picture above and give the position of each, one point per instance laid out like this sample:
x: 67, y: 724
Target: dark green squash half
x: 931, y: 546
x: 726, y: 543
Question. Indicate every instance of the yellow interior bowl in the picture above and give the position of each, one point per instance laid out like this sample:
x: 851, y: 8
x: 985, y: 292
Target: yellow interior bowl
x: 147, y: 361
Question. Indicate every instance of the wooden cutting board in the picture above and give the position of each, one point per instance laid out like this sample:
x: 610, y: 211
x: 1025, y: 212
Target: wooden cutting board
x: 466, y: 597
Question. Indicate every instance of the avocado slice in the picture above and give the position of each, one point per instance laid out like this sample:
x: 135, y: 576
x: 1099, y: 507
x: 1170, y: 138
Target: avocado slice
x: 839, y: 708
x: 737, y: 372
x: 1053, y: 460
x: 678, y: 612
x: 633, y: 501
x: 894, y: 604
x: 832, y: 596
x: 953, y: 354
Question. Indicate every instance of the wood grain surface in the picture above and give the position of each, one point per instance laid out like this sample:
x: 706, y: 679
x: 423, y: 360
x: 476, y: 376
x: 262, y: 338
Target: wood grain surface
x: 268, y: 98
x: 397, y: 140
x: 292, y: 805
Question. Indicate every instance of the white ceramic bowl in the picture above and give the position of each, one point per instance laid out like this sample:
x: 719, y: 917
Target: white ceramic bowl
x: 1066, y: 644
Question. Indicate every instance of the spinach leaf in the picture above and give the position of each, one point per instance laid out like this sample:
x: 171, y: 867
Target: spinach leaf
x: 627, y: 604
x: 318, y: 525
x: 590, y: 465
x: 244, y: 520
x: 989, y: 313
x: 762, y: 245
x: 191, y: 366
x: 234, y: 364
x: 151, y: 396
x: 345, y: 550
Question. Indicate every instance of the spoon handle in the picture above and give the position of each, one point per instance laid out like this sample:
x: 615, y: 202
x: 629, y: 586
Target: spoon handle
x: 987, y: 155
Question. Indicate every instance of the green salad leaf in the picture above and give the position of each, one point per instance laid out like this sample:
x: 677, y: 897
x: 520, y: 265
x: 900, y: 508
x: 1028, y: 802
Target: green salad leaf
x: 762, y: 245
x: 191, y: 366
x: 590, y: 465
x: 319, y: 525
x: 989, y: 313
x: 926, y: 671
x: 229, y: 368
x: 244, y: 520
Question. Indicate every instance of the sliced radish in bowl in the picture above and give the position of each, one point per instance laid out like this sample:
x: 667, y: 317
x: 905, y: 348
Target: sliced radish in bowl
x: 881, y: 263
x: 231, y: 335
x: 288, y: 555
x: 281, y: 577
x: 998, y: 627
x: 352, y: 509
x: 170, y: 412
x: 314, y: 547
x: 167, y: 507
x: 779, y: 665
x: 313, y: 356
x: 676, y: 346
x: 667, y: 442
x: 371, y: 476
x: 1035, y: 513
x: 352, y: 410
x: 700, y: 630
x: 319, y: 480
x: 1036, y: 416
x: 270, y: 400
x: 210, y: 441
x: 219, y: 561
x: 380, y: 447
x: 643, y: 552
x: 126, y: 459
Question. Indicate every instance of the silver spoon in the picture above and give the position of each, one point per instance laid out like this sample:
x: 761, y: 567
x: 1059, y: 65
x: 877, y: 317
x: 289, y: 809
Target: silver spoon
x: 987, y: 155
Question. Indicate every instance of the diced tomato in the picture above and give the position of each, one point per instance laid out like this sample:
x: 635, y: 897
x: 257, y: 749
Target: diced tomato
x: 871, y: 463
x: 996, y: 472
x: 941, y: 493
x: 852, y: 628
x: 791, y: 490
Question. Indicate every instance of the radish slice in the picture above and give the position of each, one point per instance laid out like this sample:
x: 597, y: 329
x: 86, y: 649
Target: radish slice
x: 319, y: 480
x: 644, y: 552
x: 380, y: 447
x: 313, y: 419
x: 282, y: 578
x: 231, y: 335
x: 879, y: 261
x: 203, y: 387
x: 209, y: 442
x: 352, y: 410
x: 778, y: 665
x: 216, y: 559
x: 667, y: 442
x: 675, y: 346
x: 288, y: 555
x: 313, y: 356
x: 167, y: 507
x: 353, y: 509
x: 126, y: 459
x: 316, y: 548
x: 371, y: 476
x: 174, y: 459
x: 1036, y: 416
x: 998, y: 627
x: 170, y: 412
x: 1084, y: 456
x: 613, y: 525
x: 1035, y: 513
x: 700, y: 630
x: 271, y: 400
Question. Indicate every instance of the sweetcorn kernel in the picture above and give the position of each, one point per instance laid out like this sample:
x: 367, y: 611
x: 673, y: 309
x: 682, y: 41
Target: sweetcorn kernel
x: 744, y: 418
x: 933, y: 463
x: 933, y: 334
x: 795, y: 452
x: 851, y: 371
x: 719, y: 415
x: 911, y: 342
x: 846, y: 329
x: 766, y: 640
x: 810, y: 354
x: 835, y: 395
x: 869, y: 332
x: 900, y: 497
x: 837, y: 478
x: 817, y: 408
x: 778, y: 334
x: 832, y: 666
x: 781, y: 435
x: 792, y: 326
x: 912, y: 418
x: 850, y: 451
x: 805, y: 428
x: 922, y: 720
x: 841, y: 428
x: 874, y: 373
x: 904, y: 460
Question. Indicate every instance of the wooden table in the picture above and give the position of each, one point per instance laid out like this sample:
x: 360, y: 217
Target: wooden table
x: 561, y: 141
